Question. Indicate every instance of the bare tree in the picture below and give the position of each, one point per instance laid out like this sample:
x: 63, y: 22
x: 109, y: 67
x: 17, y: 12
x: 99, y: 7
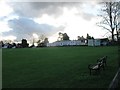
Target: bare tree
x: 110, y: 17
x: 42, y: 42
x: 41, y: 38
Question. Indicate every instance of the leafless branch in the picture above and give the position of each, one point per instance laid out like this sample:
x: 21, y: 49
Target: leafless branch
x: 107, y: 20
x: 105, y: 28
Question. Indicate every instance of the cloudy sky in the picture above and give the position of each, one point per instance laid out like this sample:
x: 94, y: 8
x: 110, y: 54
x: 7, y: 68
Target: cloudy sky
x: 31, y: 19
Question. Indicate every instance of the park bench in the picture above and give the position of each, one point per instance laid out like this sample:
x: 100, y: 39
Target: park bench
x: 94, y: 67
x: 101, y: 63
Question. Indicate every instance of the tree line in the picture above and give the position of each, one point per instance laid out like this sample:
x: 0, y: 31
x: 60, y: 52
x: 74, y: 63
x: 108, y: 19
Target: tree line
x: 42, y: 42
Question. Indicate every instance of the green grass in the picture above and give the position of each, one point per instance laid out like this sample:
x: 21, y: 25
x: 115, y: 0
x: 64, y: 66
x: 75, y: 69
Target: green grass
x: 57, y: 67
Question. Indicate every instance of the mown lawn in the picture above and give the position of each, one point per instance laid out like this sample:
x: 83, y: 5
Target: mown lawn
x: 57, y: 67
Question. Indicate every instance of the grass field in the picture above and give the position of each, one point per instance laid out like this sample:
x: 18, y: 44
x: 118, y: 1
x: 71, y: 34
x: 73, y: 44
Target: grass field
x: 57, y: 67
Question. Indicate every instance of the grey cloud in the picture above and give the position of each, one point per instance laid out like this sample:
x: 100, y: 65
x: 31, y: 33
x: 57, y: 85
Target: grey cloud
x: 87, y: 16
x: 24, y: 28
x: 36, y: 9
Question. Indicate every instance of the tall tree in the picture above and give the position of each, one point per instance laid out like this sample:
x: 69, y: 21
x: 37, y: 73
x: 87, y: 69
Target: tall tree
x: 63, y: 36
x: 89, y: 37
x: 24, y: 43
x: 46, y: 41
x: 111, y: 17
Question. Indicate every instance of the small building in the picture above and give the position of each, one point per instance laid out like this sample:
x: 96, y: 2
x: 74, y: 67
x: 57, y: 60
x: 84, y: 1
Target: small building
x: 90, y: 42
x: 94, y: 42
x: 104, y: 41
x: 98, y: 42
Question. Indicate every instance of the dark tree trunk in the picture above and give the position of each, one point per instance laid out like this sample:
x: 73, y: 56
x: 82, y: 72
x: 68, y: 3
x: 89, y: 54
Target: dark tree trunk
x: 117, y: 35
x: 113, y: 35
x: 111, y: 20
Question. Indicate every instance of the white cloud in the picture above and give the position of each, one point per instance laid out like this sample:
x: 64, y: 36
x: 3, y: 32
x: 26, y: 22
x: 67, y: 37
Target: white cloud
x: 35, y: 35
x: 4, y: 27
x: 10, y: 37
x: 5, y: 9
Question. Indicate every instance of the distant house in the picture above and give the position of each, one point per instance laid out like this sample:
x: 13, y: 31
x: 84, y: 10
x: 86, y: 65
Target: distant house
x: 104, y: 41
x: 98, y: 42
x: 90, y: 42
x: 94, y: 42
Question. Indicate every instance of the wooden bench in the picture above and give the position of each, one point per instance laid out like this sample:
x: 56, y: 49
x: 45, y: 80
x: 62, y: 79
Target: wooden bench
x: 94, y: 67
x: 101, y: 63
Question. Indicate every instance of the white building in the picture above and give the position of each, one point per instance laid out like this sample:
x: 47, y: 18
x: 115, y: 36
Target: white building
x: 66, y: 43
x: 94, y: 42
